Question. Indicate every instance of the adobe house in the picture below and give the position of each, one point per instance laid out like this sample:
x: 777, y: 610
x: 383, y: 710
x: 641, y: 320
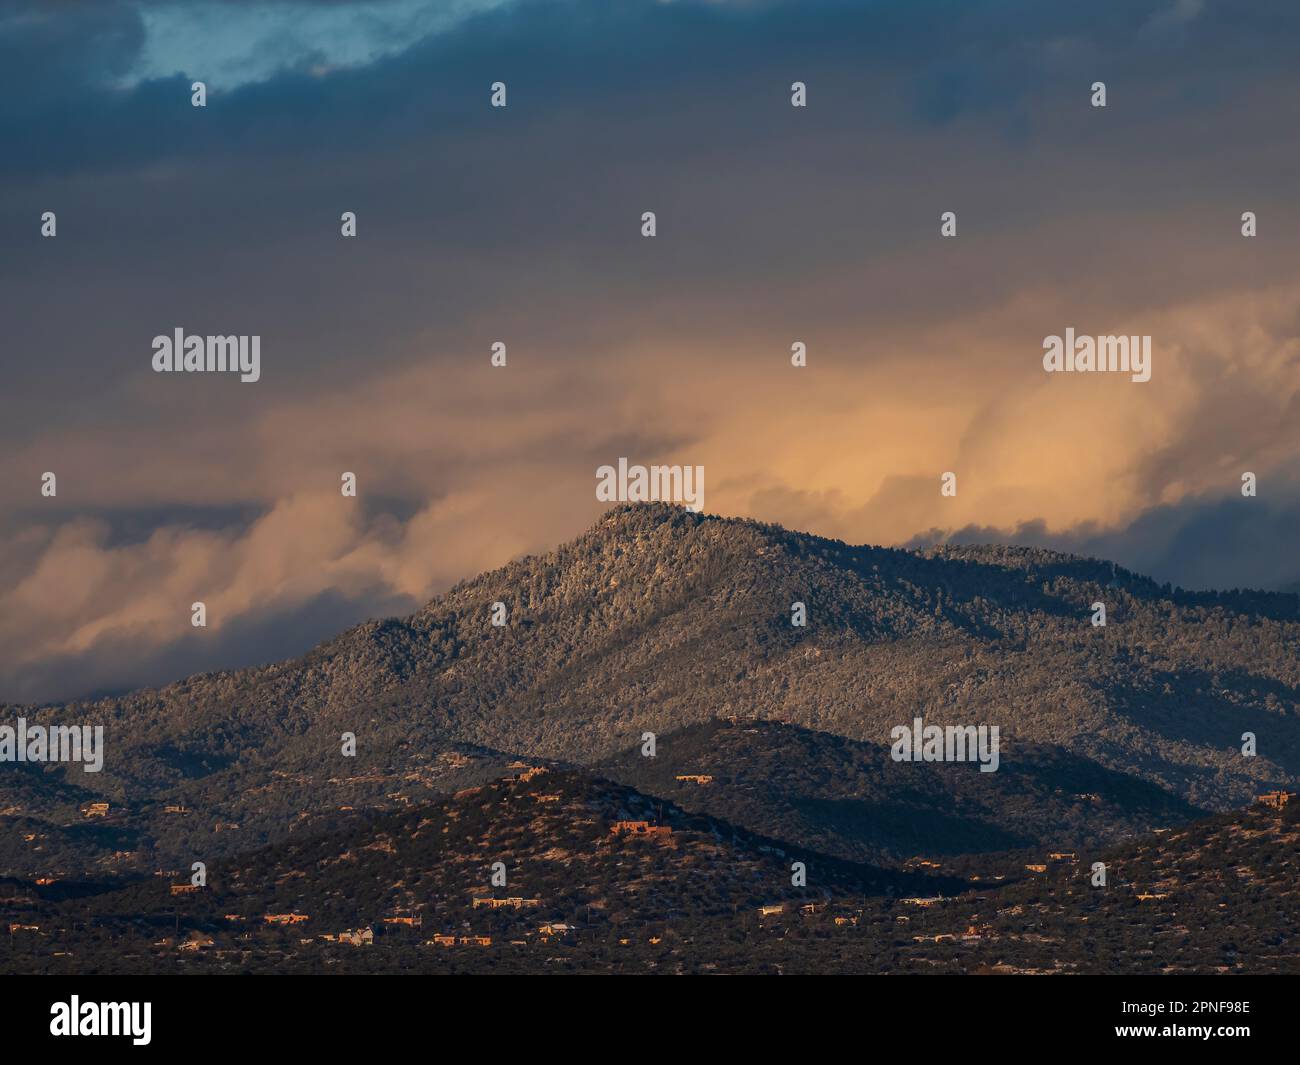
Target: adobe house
x: 638, y: 828
x: 197, y: 941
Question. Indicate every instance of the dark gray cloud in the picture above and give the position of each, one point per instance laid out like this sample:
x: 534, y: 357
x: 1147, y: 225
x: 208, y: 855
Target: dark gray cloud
x: 1225, y: 542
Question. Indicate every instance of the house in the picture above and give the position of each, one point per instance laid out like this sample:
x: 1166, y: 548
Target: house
x: 547, y: 798
x: 768, y: 911
x: 1063, y: 856
x: 475, y: 941
x: 442, y: 941
x: 1158, y: 895
x: 173, y: 809
x: 410, y: 922
x: 197, y: 941
x: 185, y: 889
x: 286, y: 918
x: 1036, y: 868
x: 931, y: 900
x: 1276, y: 799
x: 638, y: 828
x: 695, y: 778
x: 97, y: 809
x: 358, y: 937
x: 497, y: 904
x: 554, y: 929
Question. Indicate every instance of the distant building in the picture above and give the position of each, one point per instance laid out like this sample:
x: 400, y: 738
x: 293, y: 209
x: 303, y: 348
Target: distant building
x: 1275, y: 799
x: 197, y: 941
x: 185, y: 889
x: 97, y: 809
x: 286, y: 918
x: 639, y: 828
x: 695, y: 778
x: 498, y: 904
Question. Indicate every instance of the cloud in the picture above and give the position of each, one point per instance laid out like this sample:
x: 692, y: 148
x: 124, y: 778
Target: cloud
x: 522, y: 225
x: 228, y: 45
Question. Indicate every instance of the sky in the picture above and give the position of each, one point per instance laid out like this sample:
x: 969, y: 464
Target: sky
x: 522, y: 224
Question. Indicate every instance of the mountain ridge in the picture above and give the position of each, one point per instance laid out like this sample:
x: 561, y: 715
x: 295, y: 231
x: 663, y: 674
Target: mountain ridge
x: 658, y: 619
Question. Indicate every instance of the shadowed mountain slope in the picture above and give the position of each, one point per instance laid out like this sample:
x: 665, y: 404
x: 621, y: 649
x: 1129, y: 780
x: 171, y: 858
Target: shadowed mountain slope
x: 850, y: 799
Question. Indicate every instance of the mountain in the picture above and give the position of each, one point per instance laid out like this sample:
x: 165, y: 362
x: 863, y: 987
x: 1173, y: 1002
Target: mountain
x: 658, y: 619
x: 603, y: 860
x: 852, y: 800
x: 585, y: 891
